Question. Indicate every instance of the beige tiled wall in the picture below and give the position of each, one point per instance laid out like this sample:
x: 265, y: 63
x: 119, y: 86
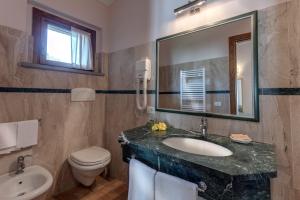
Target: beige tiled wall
x: 279, y: 61
x: 121, y: 111
x: 65, y: 126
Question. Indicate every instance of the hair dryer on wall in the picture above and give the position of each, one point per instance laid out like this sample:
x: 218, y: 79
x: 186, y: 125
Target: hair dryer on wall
x: 143, y: 74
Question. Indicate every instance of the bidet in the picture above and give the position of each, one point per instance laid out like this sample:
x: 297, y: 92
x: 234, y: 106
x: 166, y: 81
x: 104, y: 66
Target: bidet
x: 30, y: 184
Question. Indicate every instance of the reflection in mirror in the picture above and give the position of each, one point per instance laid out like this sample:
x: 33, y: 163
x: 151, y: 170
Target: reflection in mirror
x: 210, y: 70
x: 240, y: 70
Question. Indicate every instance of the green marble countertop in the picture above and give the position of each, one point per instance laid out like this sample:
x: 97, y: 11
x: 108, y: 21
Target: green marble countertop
x: 247, y: 159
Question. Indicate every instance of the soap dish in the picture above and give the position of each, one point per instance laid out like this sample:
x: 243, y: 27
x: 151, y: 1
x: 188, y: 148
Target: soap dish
x: 240, y: 138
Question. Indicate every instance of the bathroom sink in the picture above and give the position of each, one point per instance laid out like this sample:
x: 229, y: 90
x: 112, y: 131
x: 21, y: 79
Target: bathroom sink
x: 32, y: 183
x: 196, y: 146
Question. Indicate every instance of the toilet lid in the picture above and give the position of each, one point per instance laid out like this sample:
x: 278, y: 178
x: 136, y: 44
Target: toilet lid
x: 91, y: 156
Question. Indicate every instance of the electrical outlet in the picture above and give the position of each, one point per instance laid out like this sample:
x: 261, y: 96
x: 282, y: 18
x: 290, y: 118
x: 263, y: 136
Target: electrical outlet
x: 218, y: 103
x: 150, y: 109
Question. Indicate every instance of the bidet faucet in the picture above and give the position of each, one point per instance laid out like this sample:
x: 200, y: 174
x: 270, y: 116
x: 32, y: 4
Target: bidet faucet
x: 21, y: 164
x: 203, y: 127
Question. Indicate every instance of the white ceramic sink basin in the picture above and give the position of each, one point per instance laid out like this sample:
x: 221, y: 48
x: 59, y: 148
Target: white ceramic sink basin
x: 26, y: 186
x: 195, y: 146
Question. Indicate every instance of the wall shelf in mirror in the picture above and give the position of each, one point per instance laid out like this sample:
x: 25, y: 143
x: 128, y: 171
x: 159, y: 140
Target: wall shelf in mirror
x: 226, y: 54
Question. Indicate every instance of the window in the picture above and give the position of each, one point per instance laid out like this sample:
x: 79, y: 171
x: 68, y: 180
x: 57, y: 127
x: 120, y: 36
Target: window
x: 62, y: 43
x: 58, y: 45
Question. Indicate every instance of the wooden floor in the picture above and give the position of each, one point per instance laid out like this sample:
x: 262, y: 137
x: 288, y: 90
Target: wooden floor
x: 102, y: 190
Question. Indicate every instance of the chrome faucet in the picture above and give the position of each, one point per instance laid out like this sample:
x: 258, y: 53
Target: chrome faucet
x: 21, y: 164
x: 203, y: 127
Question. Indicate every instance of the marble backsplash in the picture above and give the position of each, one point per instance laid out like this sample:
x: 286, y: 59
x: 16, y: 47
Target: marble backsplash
x: 279, y: 61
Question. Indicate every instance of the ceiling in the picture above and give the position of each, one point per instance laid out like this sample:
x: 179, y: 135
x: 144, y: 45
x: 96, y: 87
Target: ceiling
x: 106, y: 2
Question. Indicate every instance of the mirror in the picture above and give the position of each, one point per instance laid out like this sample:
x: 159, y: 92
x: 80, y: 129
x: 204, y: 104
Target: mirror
x: 210, y: 71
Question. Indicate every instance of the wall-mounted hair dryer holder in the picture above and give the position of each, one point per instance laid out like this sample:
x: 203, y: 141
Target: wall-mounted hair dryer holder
x: 143, y: 75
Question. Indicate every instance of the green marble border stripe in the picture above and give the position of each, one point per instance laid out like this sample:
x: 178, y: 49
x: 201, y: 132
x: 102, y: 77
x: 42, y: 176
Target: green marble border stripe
x: 64, y: 91
x: 33, y: 90
x: 207, y: 92
x: 262, y: 91
x: 279, y: 91
x: 123, y: 91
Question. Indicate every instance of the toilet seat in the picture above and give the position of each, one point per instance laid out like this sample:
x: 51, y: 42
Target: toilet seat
x: 90, y: 157
x: 86, y: 167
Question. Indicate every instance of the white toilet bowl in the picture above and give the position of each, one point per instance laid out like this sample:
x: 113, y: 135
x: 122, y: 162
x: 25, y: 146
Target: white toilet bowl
x: 88, y: 163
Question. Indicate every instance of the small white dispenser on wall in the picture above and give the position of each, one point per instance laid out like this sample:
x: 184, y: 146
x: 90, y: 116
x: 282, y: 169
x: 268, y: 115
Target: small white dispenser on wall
x: 142, y: 74
x: 17, y: 135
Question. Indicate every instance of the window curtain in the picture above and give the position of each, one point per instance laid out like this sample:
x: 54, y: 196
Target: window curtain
x: 81, y: 43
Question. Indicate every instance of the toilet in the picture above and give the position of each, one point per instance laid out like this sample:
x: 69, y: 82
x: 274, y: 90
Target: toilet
x: 88, y: 163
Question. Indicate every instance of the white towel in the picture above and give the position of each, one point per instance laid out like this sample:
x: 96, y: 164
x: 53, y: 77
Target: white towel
x: 168, y: 187
x: 141, y: 181
x: 27, y: 133
x: 8, y: 135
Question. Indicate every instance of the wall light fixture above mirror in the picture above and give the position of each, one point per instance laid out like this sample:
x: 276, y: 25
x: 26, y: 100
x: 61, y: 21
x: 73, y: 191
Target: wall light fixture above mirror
x: 193, y: 5
x: 210, y: 71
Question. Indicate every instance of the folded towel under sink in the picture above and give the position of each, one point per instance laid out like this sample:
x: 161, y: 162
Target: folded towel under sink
x: 141, y: 181
x: 169, y: 187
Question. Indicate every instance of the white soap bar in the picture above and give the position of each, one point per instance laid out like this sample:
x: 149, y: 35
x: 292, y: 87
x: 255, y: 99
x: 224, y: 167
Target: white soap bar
x: 27, y: 133
x: 83, y: 94
x: 8, y: 135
